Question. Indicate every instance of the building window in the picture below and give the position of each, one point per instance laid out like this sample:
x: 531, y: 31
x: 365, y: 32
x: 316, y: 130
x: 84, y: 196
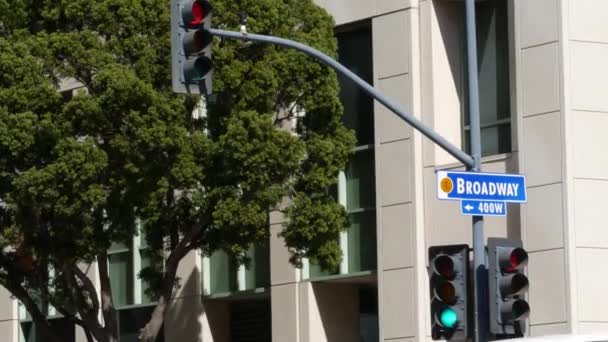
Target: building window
x: 494, y: 77
x: 222, y: 273
x: 226, y: 277
x: 120, y: 264
x: 356, y: 187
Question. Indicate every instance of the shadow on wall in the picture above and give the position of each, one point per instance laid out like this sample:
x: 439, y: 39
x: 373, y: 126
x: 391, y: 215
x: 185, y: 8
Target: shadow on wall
x: 338, y: 307
x: 188, y: 320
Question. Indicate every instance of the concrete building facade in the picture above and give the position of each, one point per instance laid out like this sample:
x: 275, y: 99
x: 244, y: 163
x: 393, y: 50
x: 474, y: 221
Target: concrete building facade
x: 544, y: 114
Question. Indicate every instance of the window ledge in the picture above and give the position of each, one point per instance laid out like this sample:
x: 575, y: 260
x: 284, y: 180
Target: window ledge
x: 135, y: 306
x: 253, y: 293
x: 343, y: 277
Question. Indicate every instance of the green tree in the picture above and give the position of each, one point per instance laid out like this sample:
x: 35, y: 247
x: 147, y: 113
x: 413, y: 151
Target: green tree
x: 75, y: 172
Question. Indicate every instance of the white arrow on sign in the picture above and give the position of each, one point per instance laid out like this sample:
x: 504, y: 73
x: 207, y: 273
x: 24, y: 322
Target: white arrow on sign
x: 469, y: 207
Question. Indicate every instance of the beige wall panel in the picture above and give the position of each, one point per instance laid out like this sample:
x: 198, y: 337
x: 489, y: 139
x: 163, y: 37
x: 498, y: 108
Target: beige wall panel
x: 538, y: 22
x: 589, y: 76
x: 590, y: 140
x: 544, y: 218
x: 284, y: 302
x: 549, y: 329
x: 397, y: 302
x: 385, y: 6
x: 345, y: 11
x: 184, y: 320
x: 588, y: 20
x: 540, y: 79
x: 590, y: 203
x: 508, y: 226
x: 331, y: 313
x: 189, y: 275
x: 397, y: 236
x: 281, y: 270
x: 591, y: 290
x: 547, y: 295
x: 448, y: 77
x: 542, y: 146
x: 6, y: 305
x: 8, y: 331
x: 391, y: 40
x: 592, y: 328
x: 394, y: 172
x: 69, y: 83
x: 426, y: 81
x: 277, y: 216
x: 388, y: 126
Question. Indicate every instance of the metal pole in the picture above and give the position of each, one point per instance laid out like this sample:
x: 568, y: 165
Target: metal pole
x: 479, y: 257
x: 373, y: 92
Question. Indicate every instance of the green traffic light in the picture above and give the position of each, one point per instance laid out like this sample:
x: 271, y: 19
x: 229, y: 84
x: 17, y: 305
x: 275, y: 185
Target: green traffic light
x: 448, y: 318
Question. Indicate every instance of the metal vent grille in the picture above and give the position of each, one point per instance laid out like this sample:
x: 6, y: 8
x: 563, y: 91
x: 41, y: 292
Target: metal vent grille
x: 250, y: 321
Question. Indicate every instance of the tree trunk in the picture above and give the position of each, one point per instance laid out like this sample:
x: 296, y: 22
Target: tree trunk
x: 150, y: 331
x: 152, y: 328
x: 107, y: 304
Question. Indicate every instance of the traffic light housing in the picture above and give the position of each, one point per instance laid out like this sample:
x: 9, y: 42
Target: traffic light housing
x: 449, y: 280
x: 507, y: 286
x: 191, y: 46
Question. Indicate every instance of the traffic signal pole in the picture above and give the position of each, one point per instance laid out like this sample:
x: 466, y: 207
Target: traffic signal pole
x: 370, y: 90
x: 472, y: 163
x: 480, y: 270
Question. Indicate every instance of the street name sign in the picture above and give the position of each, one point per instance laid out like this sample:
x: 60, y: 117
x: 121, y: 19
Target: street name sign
x: 478, y: 186
x: 483, y: 208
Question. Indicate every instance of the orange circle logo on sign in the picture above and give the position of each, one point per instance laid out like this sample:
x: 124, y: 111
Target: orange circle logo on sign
x: 447, y: 185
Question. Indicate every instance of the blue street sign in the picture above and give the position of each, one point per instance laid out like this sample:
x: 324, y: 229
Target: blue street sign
x: 498, y: 187
x: 483, y: 208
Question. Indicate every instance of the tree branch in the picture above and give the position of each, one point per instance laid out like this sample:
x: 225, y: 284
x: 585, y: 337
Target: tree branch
x: 37, y: 316
x: 185, y: 245
x: 87, y: 313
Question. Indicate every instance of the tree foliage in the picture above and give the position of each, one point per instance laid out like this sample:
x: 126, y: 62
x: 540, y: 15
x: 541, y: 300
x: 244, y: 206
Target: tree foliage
x: 76, y: 171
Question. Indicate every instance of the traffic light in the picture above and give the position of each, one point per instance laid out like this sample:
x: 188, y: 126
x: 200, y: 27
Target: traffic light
x: 449, y: 280
x: 507, y: 286
x: 191, y: 44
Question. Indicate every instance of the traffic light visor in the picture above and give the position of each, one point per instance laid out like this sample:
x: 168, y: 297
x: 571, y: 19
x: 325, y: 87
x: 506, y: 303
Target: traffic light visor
x: 195, y: 42
x: 515, y: 310
x: 521, y: 309
x: 201, y: 68
x: 195, y: 70
x: 443, y: 265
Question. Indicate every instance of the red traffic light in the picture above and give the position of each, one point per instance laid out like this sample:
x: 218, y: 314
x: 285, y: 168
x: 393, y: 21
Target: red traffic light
x: 195, y: 11
x: 198, y: 13
x: 513, y: 259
